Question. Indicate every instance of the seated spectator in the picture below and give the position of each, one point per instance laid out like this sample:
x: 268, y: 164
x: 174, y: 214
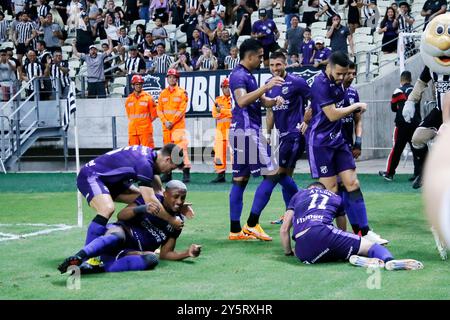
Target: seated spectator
x: 338, y: 35
x: 135, y: 64
x: 207, y: 61
x: 140, y: 34
x: 159, y: 33
x: 232, y: 60
x: 322, y: 53
x: 266, y: 32
x: 307, y: 49
x: 243, y: 11
x: 160, y: 9
x: 389, y: 29
x: 433, y: 8
x: 7, y: 76
x: 310, y: 12
x: 293, y: 61
x: 162, y: 61
x: 294, y: 36
x: 147, y: 44
x: 124, y: 44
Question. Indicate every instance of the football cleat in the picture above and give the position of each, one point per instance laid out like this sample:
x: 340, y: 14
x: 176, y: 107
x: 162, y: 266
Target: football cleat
x: 240, y: 236
x: 386, y: 176
x: 375, y: 238
x: 257, y: 232
x: 365, y: 262
x: 93, y: 265
x: 278, y: 221
x: 70, y: 261
x: 404, y: 264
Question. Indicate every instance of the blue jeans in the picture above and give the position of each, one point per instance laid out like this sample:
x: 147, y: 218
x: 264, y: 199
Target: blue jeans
x: 143, y: 13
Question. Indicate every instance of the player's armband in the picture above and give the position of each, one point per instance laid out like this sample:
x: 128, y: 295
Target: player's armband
x: 140, y: 210
x: 358, y: 143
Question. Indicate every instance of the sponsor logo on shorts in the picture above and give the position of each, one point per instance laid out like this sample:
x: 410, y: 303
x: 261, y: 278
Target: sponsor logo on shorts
x: 323, y: 169
x: 324, y: 252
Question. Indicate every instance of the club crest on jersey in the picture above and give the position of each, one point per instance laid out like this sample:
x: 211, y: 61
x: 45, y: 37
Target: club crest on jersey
x: 323, y: 169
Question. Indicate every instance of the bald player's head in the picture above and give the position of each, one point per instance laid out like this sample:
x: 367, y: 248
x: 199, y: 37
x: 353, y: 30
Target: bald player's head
x: 175, y: 195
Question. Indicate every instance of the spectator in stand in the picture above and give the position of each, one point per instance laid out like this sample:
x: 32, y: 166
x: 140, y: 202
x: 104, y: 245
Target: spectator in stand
x: 207, y: 61
x: 197, y: 41
x: 161, y: 62
x: 59, y: 71
x: 389, y: 29
x: 135, y: 64
x: 182, y: 64
x: 433, y: 8
x: 293, y: 61
x: 119, y: 17
x: 310, y: 13
x: 214, y: 20
x: 32, y: 68
x: 74, y: 14
x: 369, y: 11
x: 159, y: 33
x: 52, y: 33
x: 322, y: 53
x: 325, y: 7
x: 92, y: 11
x: 394, y: 6
x: 232, y: 60
x: 42, y: 8
x: 307, y: 49
x: 266, y: 32
x: 219, y: 8
x: 294, y: 36
x: 139, y: 37
x: 160, y: 9
x: 405, y: 24
x: 148, y: 59
x: 223, y: 44
x: 177, y: 10
x: 85, y: 34
x: 7, y: 76
x: 111, y: 30
x: 23, y: 36
x: 125, y: 42
x: 132, y: 11
x: 243, y: 11
x: 268, y: 5
x: 290, y: 8
x: 4, y: 28
x: 61, y: 7
x: 354, y: 16
x: 190, y: 24
x: 108, y: 67
x: 144, y: 6
x: 147, y: 44
x: 338, y: 35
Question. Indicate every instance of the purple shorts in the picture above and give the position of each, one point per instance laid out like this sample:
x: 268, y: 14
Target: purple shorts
x: 325, y: 243
x: 90, y: 185
x: 329, y: 161
x: 251, y: 156
x: 290, y: 150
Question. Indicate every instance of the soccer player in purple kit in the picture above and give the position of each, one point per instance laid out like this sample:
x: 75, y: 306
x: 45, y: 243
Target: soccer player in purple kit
x: 288, y: 119
x: 311, y: 212
x: 250, y: 154
x: 129, y: 244
x: 353, y: 124
x: 109, y: 178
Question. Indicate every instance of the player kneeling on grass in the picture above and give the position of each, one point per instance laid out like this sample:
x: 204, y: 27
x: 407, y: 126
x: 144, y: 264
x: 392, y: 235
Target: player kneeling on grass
x: 311, y: 212
x: 129, y: 244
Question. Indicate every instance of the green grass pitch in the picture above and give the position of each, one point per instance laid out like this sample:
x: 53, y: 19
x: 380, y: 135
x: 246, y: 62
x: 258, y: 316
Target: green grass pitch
x: 226, y: 269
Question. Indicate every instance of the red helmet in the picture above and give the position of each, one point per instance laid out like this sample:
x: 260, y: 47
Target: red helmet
x: 225, y: 83
x: 137, y: 79
x: 173, y: 72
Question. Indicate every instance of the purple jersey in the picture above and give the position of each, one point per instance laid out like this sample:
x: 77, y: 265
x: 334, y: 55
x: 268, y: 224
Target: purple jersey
x: 150, y: 232
x: 248, y: 117
x: 306, y: 49
x: 351, y: 97
x: 295, y: 91
x: 129, y: 163
x: 325, y: 133
x: 314, y: 207
x: 322, y: 55
x: 268, y: 28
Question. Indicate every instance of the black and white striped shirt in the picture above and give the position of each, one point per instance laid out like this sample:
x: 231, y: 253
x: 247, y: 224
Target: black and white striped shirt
x: 33, y: 69
x: 138, y: 38
x: 193, y: 3
x: 42, y: 57
x: 162, y: 63
x: 134, y: 65
x: 4, y: 30
x: 125, y: 41
x: 441, y: 86
x: 404, y: 26
x: 231, y: 62
x: 24, y: 31
x: 57, y: 74
x: 330, y: 11
x: 367, y: 11
x: 208, y: 63
x: 43, y: 10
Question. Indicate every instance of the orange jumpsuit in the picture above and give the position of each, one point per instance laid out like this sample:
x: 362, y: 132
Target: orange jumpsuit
x: 141, y: 112
x: 223, y: 121
x: 172, y: 104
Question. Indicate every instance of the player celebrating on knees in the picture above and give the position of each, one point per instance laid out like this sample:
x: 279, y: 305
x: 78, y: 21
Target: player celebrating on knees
x: 328, y: 153
x: 109, y: 178
x: 311, y: 212
x: 129, y: 244
x: 250, y: 154
x: 288, y: 119
x: 353, y: 123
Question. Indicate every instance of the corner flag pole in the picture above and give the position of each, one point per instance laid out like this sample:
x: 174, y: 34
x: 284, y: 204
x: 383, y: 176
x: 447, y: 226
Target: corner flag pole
x: 77, y: 161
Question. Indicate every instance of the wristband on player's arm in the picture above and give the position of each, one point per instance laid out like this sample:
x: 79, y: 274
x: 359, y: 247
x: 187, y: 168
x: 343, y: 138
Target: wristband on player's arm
x: 357, y: 144
x: 140, y: 210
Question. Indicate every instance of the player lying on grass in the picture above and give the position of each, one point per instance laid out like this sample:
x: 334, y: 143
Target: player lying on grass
x: 108, y: 178
x: 311, y: 212
x: 129, y: 244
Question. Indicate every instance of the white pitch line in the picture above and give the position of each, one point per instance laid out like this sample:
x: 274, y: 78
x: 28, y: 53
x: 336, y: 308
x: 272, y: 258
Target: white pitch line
x: 56, y: 227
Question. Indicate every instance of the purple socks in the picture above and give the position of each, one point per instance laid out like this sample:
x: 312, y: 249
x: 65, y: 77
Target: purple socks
x: 380, y: 252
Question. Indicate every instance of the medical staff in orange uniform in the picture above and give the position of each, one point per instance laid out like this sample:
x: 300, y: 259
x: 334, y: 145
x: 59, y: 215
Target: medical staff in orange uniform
x: 171, y: 109
x: 141, y: 112
x: 222, y: 113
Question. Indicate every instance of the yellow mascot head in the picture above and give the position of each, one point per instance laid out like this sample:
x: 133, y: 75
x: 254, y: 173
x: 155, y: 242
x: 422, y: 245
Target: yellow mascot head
x: 435, y: 44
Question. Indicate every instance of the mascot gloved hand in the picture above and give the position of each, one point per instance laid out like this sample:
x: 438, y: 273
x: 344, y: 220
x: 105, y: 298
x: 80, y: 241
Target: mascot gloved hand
x: 409, y: 110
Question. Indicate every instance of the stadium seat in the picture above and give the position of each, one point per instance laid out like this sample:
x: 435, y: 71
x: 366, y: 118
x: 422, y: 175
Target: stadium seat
x: 364, y: 47
x: 362, y: 38
x: 254, y: 16
x: 302, y: 25
x: 140, y: 21
x: 170, y: 28
x: 318, y: 32
x: 279, y: 21
x: 363, y: 30
x: 242, y: 39
x: 7, y: 44
x: 119, y: 90
x: 116, y: 95
x: 120, y: 81
x: 74, y: 64
x: 386, y: 68
x: 281, y: 27
x: 67, y: 49
x: 319, y: 25
x: 282, y: 36
x: 281, y: 42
